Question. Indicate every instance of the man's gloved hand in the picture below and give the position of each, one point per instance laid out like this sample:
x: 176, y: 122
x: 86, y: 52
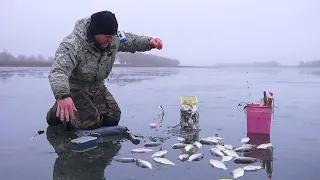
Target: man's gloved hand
x: 65, y: 109
x: 156, y: 42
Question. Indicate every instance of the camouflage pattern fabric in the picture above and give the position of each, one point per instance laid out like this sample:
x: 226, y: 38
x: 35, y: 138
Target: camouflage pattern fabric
x: 96, y: 107
x: 79, y: 67
x: 79, y: 61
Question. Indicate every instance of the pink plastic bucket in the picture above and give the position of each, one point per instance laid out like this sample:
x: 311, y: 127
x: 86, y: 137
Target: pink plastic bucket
x: 258, y: 119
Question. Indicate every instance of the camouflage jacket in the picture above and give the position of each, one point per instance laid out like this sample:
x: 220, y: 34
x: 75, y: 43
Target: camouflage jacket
x: 78, y: 61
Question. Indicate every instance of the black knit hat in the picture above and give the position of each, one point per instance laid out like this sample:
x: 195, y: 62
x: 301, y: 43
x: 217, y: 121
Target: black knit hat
x: 103, y: 22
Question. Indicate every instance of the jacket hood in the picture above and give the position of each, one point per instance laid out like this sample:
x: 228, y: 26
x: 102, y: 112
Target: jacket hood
x: 81, y: 28
x: 81, y: 32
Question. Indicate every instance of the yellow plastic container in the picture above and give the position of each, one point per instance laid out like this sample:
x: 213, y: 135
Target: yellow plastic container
x: 193, y: 100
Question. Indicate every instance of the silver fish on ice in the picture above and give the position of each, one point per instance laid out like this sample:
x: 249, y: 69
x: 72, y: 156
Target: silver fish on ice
x: 230, y: 153
x: 216, y: 152
x: 179, y: 145
x: 163, y: 161
x: 159, y: 153
x: 184, y: 157
x: 218, y: 164
x: 245, y: 139
x: 264, y: 146
x: 196, y: 157
x: 160, y: 113
x: 191, y: 148
x: 226, y: 158
x: 238, y: 172
x: 141, y: 150
x: 229, y: 146
x: 243, y: 149
x: 252, y: 168
x: 197, y: 144
x: 143, y: 164
x: 220, y: 147
x: 181, y: 139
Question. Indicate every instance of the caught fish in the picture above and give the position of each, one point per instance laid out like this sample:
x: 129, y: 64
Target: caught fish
x: 181, y: 139
x: 245, y: 160
x: 264, y: 146
x: 230, y: 153
x: 126, y: 160
x: 141, y: 150
x: 243, y: 149
x: 159, y: 153
x: 143, y: 164
x: 160, y: 113
x: 190, y: 148
x: 249, y: 145
x: 238, y: 172
x: 245, y: 139
x: 184, y: 124
x: 190, y: 122
x: 252, y: 168
x: 163, y: 161
x: 226, y: 158
x: 216, y: 152
x: 215, y: 137
x: 209, y: 141
x: 152, y: 144
x: 196, y: 157
x: 184, y: 157
x: 229, y: 146
x: 220, y: 147
x: 218, y: 164
x: 179, y: 145
x: 197, y: 144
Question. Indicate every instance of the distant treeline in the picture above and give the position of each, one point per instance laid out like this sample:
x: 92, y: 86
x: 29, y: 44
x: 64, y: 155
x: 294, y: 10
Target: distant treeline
x: 253, y: 64
x: 7, y: 59
x: 269, y: 64
x: 125, y: 59
x: 310, y: 64
x: 140, y: 59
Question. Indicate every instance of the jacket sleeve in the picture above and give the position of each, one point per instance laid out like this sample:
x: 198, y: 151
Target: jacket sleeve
x: 63, y: 64
x: 135, y: 43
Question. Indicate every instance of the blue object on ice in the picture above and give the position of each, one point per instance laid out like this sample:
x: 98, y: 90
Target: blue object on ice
x: 103, y: 131
x: 84, y: 141
x: 99, y: 135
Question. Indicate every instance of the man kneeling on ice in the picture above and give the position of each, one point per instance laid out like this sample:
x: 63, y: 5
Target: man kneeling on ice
x: 82, y: 62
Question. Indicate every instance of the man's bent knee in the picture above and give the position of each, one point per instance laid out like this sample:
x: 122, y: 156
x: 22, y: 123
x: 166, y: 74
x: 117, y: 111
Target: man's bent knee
x: 111, y: 118
x: 87, y: 115
x: 86, y: 121
x: 52, y: 119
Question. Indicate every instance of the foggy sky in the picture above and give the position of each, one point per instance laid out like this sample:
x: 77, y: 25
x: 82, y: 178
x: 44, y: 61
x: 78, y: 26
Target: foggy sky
x: 196, y: 32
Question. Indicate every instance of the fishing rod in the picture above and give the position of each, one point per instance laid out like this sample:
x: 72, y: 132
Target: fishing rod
x: 250, y: 96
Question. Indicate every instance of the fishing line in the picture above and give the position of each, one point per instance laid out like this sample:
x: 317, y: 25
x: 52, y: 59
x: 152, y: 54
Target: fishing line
x: 250, y: 97
x: 244, y: 104
x: 247, y: 82
x: 273, y: 106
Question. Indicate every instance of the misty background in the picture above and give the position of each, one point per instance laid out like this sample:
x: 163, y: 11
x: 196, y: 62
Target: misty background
x: 194, y: 32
